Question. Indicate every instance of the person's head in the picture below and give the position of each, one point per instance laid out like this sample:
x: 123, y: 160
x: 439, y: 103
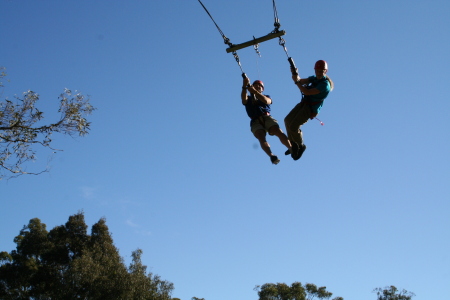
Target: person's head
x: 259, y: 85
x: 321, y: 68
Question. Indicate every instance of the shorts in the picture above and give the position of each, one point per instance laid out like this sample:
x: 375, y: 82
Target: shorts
x: 262, y: 122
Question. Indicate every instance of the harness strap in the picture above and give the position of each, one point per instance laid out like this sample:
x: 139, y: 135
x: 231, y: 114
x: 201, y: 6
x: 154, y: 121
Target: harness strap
x: 263, y: 114
x: 261, y: 119
x: 310, y: 104
x: 314, y: 102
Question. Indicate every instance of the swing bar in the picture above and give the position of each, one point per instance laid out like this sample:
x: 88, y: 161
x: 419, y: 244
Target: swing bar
x: 256, y: 41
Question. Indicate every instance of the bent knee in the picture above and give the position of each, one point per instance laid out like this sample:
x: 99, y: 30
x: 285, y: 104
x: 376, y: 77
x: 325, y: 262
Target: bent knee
x: 292, y: 126
x: 260, y: 134
x: 275, y: 130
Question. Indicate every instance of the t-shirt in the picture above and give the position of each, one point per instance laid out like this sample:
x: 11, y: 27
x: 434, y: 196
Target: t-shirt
x: 258, y: 108
x: 324, y: 86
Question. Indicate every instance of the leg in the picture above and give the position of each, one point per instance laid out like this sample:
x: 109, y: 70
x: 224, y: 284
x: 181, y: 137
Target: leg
x: 259, y: 131
x: 260, y: 134
x: 298, y: 116
x: 293, y: 147
x: 276, y: 130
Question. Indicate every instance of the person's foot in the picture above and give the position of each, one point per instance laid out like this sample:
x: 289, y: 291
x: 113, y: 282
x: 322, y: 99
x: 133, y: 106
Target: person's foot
x: 294, y: 148
x: 300, y: 152
x: 274, y: 159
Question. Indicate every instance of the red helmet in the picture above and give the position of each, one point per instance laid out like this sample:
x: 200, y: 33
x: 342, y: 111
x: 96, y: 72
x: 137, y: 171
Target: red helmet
x: 260, y: 82
x: 321, y: 64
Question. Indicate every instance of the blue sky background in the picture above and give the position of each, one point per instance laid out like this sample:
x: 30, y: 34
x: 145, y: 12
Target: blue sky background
x: 172, y: 165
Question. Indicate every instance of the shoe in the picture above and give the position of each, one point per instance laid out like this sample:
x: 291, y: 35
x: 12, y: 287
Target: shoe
x: 274, y: 159
x: 295, y: 149
x: 300, y: 152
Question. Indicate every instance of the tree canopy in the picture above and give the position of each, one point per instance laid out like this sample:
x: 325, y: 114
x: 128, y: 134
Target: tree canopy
x: 392, y: 293
x: 68, y: 263
x: 296, y: 291
x: 22, y: 131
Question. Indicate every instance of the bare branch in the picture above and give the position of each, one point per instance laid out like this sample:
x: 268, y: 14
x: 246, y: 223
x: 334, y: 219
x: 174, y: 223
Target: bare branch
x: 18, y: 130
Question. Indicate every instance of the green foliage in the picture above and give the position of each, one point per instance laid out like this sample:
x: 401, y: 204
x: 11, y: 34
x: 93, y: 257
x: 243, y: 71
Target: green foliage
x: 392, y: 293
x: 21, y: 131
x: 68, y: 263
x: 297, y: 291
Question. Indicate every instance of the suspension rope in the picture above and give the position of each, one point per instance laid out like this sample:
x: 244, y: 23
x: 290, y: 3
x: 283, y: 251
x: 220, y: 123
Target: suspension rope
x: 275, y: 16
x: 225, y: 40
x: 281, y: 41
x: 277, y: 25
x: 236, y: 57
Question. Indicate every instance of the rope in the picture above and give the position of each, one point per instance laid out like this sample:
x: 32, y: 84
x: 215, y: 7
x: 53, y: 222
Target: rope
x: 275, y: 16
x: 282, y: 42
x: 225, y: 39
x: 236, y: 56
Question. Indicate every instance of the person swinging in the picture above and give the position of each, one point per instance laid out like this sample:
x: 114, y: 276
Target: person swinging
x: 257, y: 106
x: 314, y: 90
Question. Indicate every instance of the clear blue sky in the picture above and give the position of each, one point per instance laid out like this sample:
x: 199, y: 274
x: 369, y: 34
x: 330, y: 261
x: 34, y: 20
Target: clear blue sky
x: 172, y: 165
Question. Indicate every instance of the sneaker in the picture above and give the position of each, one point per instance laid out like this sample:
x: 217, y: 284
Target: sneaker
x: 274, y: 159
x: 300, y: 152
x: 295, y: 149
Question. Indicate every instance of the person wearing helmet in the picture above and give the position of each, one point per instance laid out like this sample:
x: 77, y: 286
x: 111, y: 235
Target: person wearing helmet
x: 314, y: 90
x: 257, y: 107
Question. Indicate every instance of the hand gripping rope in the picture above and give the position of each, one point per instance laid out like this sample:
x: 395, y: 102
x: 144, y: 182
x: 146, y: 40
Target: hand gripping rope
x: 255, y: 42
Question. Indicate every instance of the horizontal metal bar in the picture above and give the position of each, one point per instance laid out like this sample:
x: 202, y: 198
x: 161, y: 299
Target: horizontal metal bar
x: 256, y: 41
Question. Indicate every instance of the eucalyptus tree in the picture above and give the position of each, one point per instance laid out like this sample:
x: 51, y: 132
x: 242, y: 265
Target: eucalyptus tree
x: 296, y: 291
x: 23, y: 133
x: 392, y: 293
x: 68, y: 263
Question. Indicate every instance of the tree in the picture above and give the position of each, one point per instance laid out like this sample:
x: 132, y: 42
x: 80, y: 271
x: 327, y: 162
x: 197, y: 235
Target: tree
x: 147, y: 286
x: 68, y: 263
x: 297, y: 291
x: 392, y: 293
x: 22, y: 131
